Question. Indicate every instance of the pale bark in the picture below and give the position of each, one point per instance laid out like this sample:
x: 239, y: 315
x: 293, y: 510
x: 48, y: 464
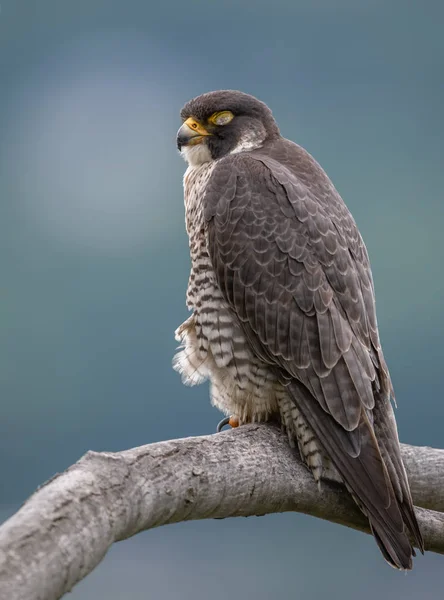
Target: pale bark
x: 65, y: 529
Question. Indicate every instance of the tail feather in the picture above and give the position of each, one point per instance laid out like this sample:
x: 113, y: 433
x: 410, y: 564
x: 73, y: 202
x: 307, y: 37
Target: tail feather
x: 387, y: 434
x: 390, y: 550
x: 357, y: 457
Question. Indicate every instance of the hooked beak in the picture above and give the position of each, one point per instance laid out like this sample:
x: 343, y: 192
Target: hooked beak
x: 191, y: 133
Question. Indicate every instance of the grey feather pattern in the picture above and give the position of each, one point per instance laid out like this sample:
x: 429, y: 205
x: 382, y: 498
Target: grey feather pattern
x: 294, y: 269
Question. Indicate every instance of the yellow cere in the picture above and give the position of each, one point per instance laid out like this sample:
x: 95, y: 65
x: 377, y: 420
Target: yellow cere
x: 196, y: 126
x: 222, y: 118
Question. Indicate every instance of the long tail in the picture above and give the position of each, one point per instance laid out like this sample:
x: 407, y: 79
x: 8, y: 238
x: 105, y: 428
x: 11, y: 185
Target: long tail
x: 373, y: 473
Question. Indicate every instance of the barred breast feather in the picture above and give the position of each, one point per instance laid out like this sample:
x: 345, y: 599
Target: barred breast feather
x: 284, y: 325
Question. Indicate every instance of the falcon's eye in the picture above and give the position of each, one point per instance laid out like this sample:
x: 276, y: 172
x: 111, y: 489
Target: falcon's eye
x: 221, y: 118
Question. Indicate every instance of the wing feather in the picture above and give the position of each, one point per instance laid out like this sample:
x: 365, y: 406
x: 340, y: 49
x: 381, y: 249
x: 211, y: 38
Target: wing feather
x: 293, y: 267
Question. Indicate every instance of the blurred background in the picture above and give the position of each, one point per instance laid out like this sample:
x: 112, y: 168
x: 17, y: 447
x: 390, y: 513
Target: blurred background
x: 94, y: 255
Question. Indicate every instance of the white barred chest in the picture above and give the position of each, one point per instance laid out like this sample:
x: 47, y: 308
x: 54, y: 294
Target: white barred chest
x: 213, y: 345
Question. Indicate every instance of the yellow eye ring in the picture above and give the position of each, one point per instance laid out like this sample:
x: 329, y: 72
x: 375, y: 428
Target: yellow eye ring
x: 221, y: 118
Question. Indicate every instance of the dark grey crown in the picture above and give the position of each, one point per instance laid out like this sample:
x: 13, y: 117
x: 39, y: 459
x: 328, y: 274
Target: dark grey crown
x: 251, y: 117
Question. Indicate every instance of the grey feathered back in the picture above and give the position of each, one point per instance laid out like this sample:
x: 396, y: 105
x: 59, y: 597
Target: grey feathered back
x: 292, y: 265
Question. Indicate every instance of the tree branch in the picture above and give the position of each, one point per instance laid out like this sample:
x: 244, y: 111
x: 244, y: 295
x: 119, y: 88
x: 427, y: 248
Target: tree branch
x: 66, y: 527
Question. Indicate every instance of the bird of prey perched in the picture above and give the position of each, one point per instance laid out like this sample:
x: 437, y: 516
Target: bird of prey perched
x: 283, y: 317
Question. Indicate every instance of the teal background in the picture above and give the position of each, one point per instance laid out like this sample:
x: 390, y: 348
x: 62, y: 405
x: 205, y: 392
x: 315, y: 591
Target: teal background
x: 94, y: 257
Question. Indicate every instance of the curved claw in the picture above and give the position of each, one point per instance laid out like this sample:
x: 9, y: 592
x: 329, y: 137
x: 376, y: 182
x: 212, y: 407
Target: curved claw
x: 233, y: 421
x: 222, y: 424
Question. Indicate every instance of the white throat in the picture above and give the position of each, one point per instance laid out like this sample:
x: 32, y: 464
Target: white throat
x: 196, y: 155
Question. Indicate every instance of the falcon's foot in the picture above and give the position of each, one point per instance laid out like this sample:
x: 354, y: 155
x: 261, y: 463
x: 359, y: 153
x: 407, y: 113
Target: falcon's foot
x: 233, y: 421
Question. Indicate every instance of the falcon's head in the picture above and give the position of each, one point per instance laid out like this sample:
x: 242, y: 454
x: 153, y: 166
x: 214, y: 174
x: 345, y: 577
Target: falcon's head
x: 223, y: 122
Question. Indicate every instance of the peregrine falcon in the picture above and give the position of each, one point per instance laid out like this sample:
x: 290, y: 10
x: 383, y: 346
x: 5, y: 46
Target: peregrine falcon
x: 283, y: 321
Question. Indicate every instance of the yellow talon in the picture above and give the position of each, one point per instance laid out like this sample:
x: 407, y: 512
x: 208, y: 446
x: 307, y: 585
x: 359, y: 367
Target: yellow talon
x: 233, y: 421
